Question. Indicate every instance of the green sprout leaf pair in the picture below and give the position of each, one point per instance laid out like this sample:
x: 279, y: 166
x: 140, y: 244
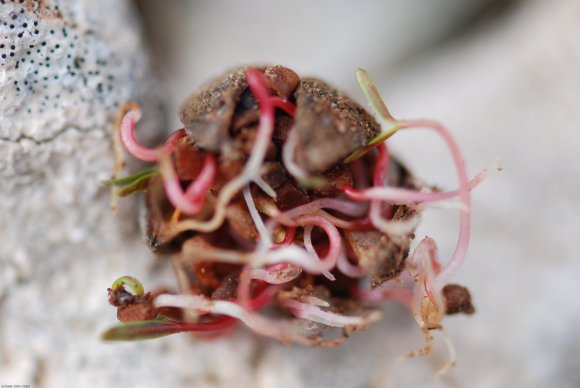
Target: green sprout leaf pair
x: 142, y: 330
x: 376, y: 101
x: 138, y: 330
x: 132, y: 183
x: 130, y: 281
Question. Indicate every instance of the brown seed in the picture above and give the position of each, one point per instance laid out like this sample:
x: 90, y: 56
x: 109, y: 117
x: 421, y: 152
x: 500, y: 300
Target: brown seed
x: 240, y: 221
x: 226, y: 103
x: 381, y: 257
x: 273, y: 174
x: 282, y: 126
x: 207, y: 114
x: 328, y: 126
x: 283, y: 81
x: 289, y: 196
x: 458, y: 299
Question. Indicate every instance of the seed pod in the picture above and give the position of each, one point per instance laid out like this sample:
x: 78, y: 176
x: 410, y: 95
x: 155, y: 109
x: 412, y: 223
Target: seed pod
x: 383, y: 257
x: 329, y: 126
x: 207, y: 114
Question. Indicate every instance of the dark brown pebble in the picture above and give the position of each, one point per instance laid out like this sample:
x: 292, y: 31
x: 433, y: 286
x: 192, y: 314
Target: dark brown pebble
x: 458, y: 299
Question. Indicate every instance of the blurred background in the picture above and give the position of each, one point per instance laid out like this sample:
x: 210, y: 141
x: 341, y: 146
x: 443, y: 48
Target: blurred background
x: 504, y: 77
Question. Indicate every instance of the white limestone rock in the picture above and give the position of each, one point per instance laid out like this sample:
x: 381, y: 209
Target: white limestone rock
x: 61, y: 246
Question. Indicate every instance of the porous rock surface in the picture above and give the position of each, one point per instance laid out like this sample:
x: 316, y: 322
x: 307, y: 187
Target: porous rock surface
x: 65, y: 66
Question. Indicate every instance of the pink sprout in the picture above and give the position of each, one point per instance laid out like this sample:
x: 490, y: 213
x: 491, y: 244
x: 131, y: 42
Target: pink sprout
x: 334, y: 243
x: 360, y: 224
x: 464, y: 196
x: 406, y: 196
x: 263, y: 298
x: 284, y: 104
x: 314, y: 313
x: 245, y: 282
x: 258, y: 85
x: 344, y: 206
x: 191, y: 201
x: 426, y: 250
x: 286, y: 330
x: 379, y: 174
x: 358, y: 170
x: 423, y: 264
x: 348, y: 269
x: 136, y: 149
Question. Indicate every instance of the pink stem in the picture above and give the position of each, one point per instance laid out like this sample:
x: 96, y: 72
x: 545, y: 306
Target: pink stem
x: 398, y: 195
x: 198, y: 188
x: 316, y: 314
x: 260, y: 300
x: 381, y: 169
x: 334, y: 241
x: 190, y: 202
x: 258, y: 85
x: 405, y: 196
x: 244, y: 285
x: 359, y: 224
x: 382, y: 165
x: 358, y: 170
x: 341, y: 205
x: 283, y: 104
x: 263, y: 298
x: 464, y: 196
x: 350, y: 270
x: 139, y: 151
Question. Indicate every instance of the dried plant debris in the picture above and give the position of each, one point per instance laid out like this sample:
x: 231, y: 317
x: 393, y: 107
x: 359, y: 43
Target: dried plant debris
x: 255, y: 206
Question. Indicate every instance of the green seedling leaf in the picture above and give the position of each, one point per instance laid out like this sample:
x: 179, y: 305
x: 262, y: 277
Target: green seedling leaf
x: 372, y: 144
x: 130, y: 281
x: 137, y: 186
x: 132, y: 183
x: 376, y: 101
x: 383, y: 136
x: 142, y: 330
x: 373, y: 96
x: 130, y: 179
